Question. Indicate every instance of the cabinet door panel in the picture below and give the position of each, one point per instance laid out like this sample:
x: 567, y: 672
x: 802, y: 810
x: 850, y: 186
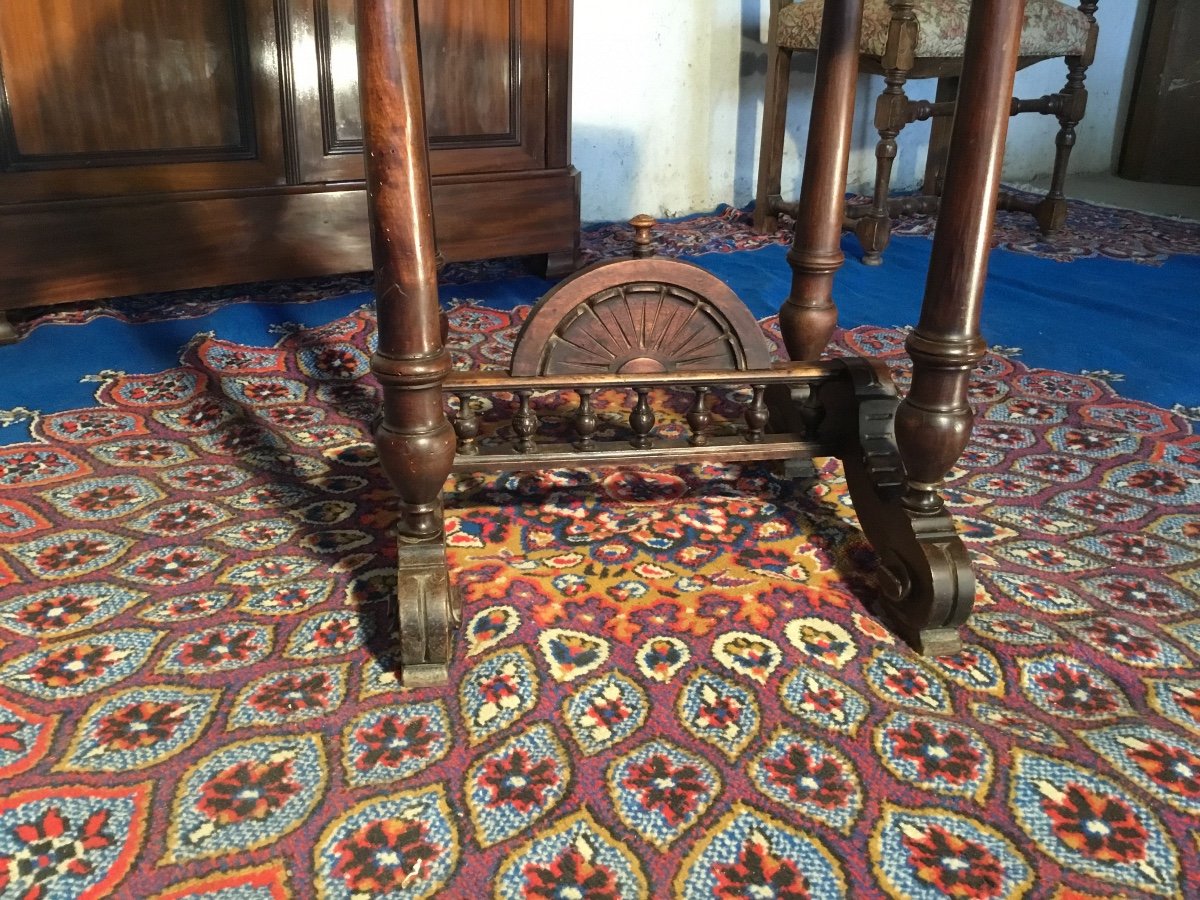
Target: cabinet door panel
x: 484, y: 66
x: 105, y: 97
x: 1163, y: 130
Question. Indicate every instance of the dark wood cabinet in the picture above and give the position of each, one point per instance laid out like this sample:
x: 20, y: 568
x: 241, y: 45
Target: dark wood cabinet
x: 483, y: 99
x: 151, y: 145
x: 1163, y: 130
x: 104, y: 99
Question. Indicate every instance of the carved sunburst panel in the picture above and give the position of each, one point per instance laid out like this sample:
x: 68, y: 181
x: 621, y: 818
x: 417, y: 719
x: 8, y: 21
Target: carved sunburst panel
x: 603, y: 323
x: 643, y: 328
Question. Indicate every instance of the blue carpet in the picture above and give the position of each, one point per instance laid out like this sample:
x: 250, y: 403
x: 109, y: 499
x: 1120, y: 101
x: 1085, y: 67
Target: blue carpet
x: 1087, y: 315
x: 1091, y: 314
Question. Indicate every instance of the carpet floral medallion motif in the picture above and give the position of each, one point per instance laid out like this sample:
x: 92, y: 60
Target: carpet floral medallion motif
x: 668, y: 683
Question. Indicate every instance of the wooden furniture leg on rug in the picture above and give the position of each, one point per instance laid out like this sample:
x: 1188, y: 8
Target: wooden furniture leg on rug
x: 414, y: 439
x: 934, y: 422
x: 927, y: 575
x: 642, y: 325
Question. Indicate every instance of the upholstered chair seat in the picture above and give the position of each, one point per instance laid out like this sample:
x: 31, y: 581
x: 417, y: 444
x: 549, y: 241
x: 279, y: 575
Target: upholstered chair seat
x: 1051, y: 28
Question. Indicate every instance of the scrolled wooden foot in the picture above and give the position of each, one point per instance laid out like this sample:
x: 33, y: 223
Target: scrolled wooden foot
x: 429, y: 612
x: 926, y: 576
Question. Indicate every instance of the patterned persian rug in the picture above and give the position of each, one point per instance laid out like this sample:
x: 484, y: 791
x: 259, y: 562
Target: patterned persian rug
x: 669, y: 682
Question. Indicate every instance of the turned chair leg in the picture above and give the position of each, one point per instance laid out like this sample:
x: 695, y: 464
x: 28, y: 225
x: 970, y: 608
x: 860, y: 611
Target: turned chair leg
x: 874, y: 230
x: 770, y: 157
x: 1051, y: 212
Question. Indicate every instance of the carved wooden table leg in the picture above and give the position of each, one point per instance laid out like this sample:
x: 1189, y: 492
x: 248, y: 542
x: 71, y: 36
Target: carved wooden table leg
x: 808, y: 316
x: 934, y: 422
x: 897, y: 455
x: 414, y: 439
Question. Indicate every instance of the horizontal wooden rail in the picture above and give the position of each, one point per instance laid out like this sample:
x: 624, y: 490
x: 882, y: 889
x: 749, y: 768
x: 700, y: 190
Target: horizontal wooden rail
x: 667, y: 451
x: 489, y: 380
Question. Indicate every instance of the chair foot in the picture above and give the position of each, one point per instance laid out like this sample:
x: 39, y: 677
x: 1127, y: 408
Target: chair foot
x: 874, y: 233
x: 764, y: 223
x: 766, y: 214
x: 1051, y: 214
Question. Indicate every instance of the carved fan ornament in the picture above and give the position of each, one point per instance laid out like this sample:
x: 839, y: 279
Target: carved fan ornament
x: 660, y: 316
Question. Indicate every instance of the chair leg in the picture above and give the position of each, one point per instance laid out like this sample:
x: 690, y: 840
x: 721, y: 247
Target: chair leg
x: 1051, y: 212
x: 874, y: 230
x: 939, y: 138
x: 770, y: 157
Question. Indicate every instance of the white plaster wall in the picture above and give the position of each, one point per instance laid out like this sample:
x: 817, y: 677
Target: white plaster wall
x: 667, y: 106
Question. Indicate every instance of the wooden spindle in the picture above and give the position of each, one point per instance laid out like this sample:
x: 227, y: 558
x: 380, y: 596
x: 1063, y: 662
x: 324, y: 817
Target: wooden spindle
x: 641, y: 420
x: 466, y: 425
x: 525, y: 424
x: 643, y: 243
x: 585, y: 420
x: 698, y: 418
x: 756, y: 415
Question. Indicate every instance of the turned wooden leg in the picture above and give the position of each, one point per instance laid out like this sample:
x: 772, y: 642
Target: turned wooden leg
x: 874, y: 230
x: 1051, y: 212
x: 414, y: 439
x: 934, y: 421
x: 808, y: 315
x: 770, y: 154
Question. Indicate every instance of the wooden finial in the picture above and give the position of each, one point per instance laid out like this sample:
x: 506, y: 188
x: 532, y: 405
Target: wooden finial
x: 643, y: 244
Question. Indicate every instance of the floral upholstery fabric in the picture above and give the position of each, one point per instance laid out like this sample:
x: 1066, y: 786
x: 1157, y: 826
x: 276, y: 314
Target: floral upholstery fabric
x: 1051, y: 28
